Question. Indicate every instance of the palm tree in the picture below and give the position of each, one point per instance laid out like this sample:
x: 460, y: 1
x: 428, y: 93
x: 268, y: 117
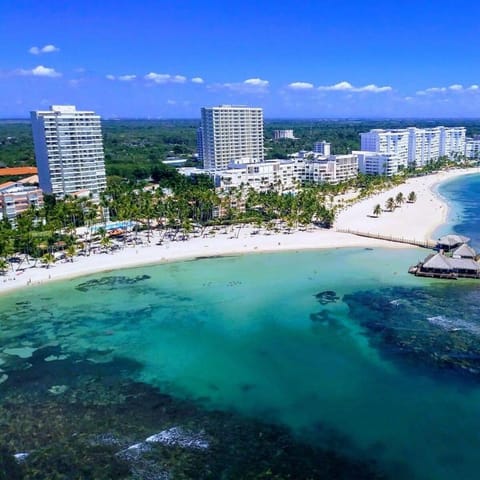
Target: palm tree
x: 48, y: 259
x: 390, y: 204
x: 412, y: 197
x: 377, y: 211
x: 71, y: 252
x: 399, y: 199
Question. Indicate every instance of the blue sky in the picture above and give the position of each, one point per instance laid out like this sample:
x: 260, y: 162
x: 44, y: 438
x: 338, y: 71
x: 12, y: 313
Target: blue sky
x: 303, y: 59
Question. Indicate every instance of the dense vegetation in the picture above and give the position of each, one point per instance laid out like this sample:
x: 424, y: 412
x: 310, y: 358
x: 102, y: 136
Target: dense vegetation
x: 134, y: 149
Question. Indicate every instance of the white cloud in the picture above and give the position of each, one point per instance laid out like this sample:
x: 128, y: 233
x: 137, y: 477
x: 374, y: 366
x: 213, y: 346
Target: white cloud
x: 41, y: 71
x: 300, y: 86
x: 456, y: 87
x: 348, y: 87
x: 197, y: 80
x: 161, y: 78
x: 110, y: 77
x: 256, y: 82
x: 251, y: 85
x: 171, y: 102
x: 127, y: 78
x: 45, y: 49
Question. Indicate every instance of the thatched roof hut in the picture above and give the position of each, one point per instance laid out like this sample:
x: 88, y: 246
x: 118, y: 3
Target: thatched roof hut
x: 464, y: 251
x: 437, y: 263
x: 447, y: 242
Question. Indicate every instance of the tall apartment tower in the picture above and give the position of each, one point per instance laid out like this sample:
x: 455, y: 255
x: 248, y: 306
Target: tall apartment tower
x: 68, y: 150
x: 231, y: 134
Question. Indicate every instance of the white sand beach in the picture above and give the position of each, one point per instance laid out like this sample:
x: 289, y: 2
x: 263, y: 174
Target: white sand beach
x: 414, y: 221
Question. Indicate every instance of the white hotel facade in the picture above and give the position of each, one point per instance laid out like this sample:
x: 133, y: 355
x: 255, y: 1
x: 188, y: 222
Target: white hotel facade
x: 68, y: 150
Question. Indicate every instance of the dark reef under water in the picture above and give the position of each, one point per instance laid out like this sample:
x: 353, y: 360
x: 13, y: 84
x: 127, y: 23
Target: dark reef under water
x: 436, y: 329
x: 94, y: 423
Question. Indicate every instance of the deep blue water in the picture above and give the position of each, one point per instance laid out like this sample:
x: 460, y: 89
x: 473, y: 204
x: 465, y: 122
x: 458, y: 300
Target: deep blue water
x: 463, y: 194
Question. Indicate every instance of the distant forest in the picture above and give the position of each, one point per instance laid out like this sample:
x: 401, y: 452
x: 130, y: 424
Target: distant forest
x: 135, y: 149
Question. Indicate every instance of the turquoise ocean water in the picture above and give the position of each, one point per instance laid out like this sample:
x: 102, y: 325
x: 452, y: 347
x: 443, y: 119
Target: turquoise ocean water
x: 342, y: 346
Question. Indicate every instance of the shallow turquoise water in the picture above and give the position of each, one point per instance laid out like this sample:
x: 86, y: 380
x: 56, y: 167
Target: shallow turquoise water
x: 237, y: 333
x: 380, y: 365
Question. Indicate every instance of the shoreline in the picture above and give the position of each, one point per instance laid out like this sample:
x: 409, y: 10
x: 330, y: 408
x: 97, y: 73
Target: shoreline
x: 416, y: 221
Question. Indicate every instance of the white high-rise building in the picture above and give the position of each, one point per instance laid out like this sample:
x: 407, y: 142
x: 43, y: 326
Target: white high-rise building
x: 68, y: 150
x: 424, y: 145
x: 453, y: 141
x: 387, y: 141
x: 322, y: 147
x: 231, y: 134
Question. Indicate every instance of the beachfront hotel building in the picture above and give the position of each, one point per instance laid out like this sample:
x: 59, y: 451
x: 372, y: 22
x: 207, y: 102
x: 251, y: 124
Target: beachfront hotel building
x: 373, y: 163
x: 416, y: 146
x: 231, y: 134
x: 68, y: 150
x: 285, y: 176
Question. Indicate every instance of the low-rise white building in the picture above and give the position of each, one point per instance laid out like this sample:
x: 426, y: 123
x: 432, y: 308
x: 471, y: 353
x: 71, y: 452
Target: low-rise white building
x: 282, y: 134
x: 16, y: 198
x: 286, y: 175
x: 373, y: 163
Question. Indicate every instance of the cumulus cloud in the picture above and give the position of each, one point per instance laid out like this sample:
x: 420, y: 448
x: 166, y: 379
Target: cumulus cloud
x: 45, y: 49
x: 456, y: 87
x: 161, y: 78
x: 197, y: 80
x: 300, y: 86
x: 41, y: 71
x: 348, y: 87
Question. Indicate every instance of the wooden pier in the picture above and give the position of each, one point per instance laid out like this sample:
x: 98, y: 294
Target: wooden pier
x: 390, y: 238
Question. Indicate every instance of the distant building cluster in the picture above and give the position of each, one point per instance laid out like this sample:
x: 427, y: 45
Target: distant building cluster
x: 230, y: 143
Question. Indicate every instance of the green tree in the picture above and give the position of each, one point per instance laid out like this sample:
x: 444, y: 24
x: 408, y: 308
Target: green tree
x: 390, y: 204
x: 399, y: 199
x: 377, y: 211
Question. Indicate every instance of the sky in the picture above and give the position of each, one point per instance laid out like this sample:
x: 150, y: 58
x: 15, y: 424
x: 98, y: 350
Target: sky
x: 295, y: 59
